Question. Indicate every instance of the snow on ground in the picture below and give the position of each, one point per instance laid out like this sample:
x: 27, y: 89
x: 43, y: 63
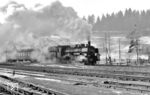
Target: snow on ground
x: 118, y: 92
x: 31, y: 74
x: 37, y: 65
x: 21, y: 72
x: 54, y: 65
x: 66, y: 86
x: 76, y: 65
x: 48, y: 79
x: 53, y: 80
x: 61, y: 66
x: 11, y: 75
x: 145, y: 39
x: 124, y: 47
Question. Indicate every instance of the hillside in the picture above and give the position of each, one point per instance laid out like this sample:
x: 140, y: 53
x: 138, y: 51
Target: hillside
x: 123, y: 22
x: 127, y: 25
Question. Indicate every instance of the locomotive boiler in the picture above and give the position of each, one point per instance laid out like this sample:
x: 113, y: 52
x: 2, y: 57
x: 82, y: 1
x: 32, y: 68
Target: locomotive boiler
x: 68, y: 53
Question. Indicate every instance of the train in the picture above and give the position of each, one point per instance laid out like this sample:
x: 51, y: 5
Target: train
x: 83, y: 53
x: 88, y: 54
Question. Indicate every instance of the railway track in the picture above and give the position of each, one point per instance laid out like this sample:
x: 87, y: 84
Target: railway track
x: 140, y: 88
x: 23, y: 88
x: 96, y: 73
x: 4, y: 91
x: 130, y: 87
x: 121, y: 75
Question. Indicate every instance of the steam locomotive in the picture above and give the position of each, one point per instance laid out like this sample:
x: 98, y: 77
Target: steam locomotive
x: 68, y: 53
x: 84, y: 53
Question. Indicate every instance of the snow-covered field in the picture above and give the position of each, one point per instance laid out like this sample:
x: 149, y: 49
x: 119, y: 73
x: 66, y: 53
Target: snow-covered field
x: 144, y: 43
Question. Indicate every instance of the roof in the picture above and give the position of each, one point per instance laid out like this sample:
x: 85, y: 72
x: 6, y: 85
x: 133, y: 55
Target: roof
x: 25, y: 50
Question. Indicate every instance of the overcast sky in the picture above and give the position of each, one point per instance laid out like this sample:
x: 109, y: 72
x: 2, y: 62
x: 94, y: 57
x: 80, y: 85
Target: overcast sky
x: 86, y: 7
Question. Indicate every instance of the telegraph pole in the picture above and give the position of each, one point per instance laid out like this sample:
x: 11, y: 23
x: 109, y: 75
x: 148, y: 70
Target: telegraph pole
x: 89, y: 44
x: 106, y: 48
x: 109, y: 48
x: 137, y: 44
x: 134, y: 37
x: 137, y: 50
x: 6, y: 54
x: 119, y: 52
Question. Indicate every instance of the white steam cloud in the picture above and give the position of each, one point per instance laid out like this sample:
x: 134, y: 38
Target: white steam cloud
x: 29, y: 28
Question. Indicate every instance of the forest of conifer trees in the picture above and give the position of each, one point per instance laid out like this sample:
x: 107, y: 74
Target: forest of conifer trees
x: 122, y: 21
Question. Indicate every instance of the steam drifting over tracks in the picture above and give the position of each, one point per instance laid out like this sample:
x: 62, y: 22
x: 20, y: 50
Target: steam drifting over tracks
x: 24, y: 88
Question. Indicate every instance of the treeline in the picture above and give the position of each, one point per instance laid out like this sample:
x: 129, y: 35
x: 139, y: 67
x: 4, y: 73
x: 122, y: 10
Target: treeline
x: 121, y: 21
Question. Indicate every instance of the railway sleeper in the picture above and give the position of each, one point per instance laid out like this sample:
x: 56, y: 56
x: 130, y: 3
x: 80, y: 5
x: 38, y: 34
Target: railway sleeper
x: 42, y: 90
x: 128, y: 88
x: 7, y: 91
x: 48, y: 92
x: 131, y: 89
x: 30, y: 86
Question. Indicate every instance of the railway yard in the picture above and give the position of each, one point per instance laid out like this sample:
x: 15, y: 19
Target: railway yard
x: 73, y: 80
x: 75, y: 71
x: 48, y: 48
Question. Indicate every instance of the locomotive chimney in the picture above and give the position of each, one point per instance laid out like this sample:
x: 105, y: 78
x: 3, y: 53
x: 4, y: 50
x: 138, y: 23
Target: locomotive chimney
x: 89, y: 43
x: 89, y: 39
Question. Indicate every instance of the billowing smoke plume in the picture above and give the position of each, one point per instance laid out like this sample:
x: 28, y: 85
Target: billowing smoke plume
x: 51, y: 25
x: 51, y: 20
